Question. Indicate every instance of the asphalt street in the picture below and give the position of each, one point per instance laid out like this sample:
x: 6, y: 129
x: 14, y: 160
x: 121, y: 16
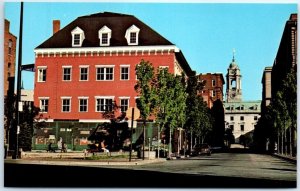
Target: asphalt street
x: 220, y: 170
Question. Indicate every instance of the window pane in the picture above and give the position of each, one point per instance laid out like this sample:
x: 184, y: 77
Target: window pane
x: 76, y: 39
x: 65, y: 105
x: 124, y: 73
x: 133, y: 37
x: 83, y: 105
x: 83, y: 74
x: 104, y: 38
x: 67, y: 74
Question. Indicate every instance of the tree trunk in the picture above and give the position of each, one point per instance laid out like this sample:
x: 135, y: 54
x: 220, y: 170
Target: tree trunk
x: 290, y: 141
x: 158, y: 141
x: 282, y: 140
x: 170, y: 143
x: 144, y: 137
x: 191, y: 144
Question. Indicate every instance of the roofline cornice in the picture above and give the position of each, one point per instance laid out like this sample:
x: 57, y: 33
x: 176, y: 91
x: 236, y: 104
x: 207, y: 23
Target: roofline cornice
x: 109, y: 50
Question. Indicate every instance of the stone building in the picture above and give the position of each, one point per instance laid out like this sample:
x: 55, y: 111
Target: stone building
x: 240, y: 116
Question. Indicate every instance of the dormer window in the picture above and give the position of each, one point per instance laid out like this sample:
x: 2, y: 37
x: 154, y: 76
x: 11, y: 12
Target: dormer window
x: 132, y: 35
x: 104, y: 35
x: 77, y: 37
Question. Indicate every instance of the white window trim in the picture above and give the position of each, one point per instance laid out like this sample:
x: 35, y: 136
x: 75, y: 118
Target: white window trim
x: 66, y: 98
x: 124, y: 98
x: 107, y: 30
x: 132, y: 29
x: 106, y: 66
x: 88, y: 70
x: 102, y: 97
x: 79, y: 31
x: 87, y: 104
x: 213, y: 83
x: 63, y: 67
x: 38, y: 74
x: 124, y: 66
x: 40, y: 101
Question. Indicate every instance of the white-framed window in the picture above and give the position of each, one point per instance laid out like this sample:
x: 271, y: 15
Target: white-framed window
x: 9, y: 46
x: 104, y: 35
x: 44, y: 104
x: 231, y: 118
x: 66, y: 104
x: 104, y: 104
x: 42, y: 73
x: 77, y: 37
x: 124, y: 72
x: 255, y: 118
x: 124, y: 103
x: 242, y: 118
x: 84, y: 73
x: 67, y: 73
x: 132, y: 35
x: 104, y: 73
x: 213, y: 93
x: 213, y: 83
x: 83, y: 104
x: 242, y: 127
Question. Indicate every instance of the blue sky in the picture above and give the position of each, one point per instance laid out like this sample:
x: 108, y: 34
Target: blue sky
x: 205, y: 32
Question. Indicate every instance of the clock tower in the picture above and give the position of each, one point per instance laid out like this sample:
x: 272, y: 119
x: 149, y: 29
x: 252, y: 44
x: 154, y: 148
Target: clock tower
x: 234, y: 83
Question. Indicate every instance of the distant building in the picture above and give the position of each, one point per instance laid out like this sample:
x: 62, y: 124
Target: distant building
x: 266, y: 88
x: 213, y: 89
x: 240, y: 116
x: 10, y: 43
x: 88, y: 66
x: 286, y: 57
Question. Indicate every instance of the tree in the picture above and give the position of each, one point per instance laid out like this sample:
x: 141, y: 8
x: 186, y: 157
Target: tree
x: 198, y: 120
x: 144, y: 87
x: 171, y: 100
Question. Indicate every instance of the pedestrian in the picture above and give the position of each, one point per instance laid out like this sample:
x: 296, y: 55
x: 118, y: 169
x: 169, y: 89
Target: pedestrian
x: 50, y: 149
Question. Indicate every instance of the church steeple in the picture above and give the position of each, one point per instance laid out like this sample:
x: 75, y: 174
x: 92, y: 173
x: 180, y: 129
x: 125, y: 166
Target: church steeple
x: 234, y: 83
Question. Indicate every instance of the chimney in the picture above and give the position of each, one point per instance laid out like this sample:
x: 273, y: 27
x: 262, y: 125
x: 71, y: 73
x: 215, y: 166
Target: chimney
x: 56, y: 26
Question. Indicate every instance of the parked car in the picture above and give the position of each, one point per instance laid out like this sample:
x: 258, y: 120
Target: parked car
x: 201, y: 149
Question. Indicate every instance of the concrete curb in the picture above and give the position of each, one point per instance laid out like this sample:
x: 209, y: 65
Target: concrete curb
x: 286, y: 158
x: 83, y: 163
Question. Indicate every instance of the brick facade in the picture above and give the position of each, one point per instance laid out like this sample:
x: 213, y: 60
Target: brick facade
x: 10, y: 43
x: 213, y: 89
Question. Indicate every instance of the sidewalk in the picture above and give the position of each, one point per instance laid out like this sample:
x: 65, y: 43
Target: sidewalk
x: 285, y: 157
x: 74, y: 162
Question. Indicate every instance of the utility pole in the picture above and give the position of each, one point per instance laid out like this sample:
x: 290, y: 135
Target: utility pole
x: 19, y: 70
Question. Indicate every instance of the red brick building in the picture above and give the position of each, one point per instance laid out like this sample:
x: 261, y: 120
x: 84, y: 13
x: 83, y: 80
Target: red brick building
x: 213, y: 89
x: 89, y: 64
x: 10, y: 43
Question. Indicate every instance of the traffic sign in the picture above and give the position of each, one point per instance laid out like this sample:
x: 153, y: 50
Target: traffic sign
x: 136, y: 113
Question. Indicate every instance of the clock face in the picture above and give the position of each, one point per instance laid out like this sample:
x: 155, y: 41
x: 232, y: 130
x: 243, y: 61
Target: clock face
x: 232, y: 95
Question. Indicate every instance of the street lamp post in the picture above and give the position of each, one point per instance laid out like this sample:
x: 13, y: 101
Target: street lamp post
x: 19, y: 84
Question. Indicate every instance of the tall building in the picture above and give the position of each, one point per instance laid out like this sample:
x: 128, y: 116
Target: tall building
x: 240, y: 116
x: 88, y: 65
x: 286, y: 57
x: 213, y: 88
x: 234, y: 83
x: 266, y: 88
x: 10, y: 42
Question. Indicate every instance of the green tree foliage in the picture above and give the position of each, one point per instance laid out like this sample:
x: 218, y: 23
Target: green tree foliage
x: 198, y: 118
x: 278, y: 124
x: 144, y: 87
x: 171, y: 99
